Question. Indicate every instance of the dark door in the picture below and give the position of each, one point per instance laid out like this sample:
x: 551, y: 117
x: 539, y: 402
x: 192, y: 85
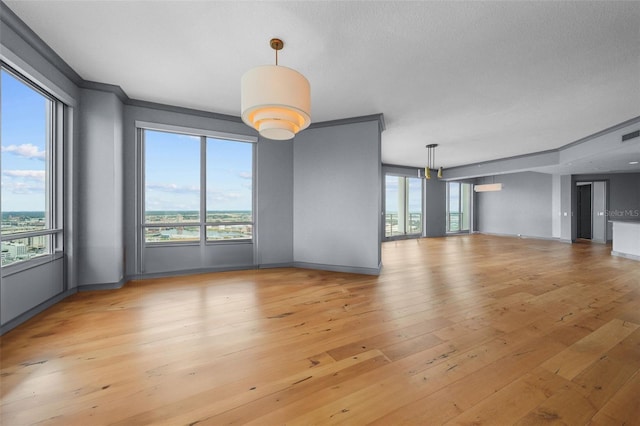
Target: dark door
x: 584, y: 211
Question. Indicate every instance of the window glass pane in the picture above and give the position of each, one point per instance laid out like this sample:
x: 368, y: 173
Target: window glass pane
x: 392, y: 203
x: 465, y: 204
x: 414, y: 205
x: 403, y: 206
x: 175, y: 234
x: 229, y: 181
x: 172, y: 177
x: 229, y: 232
x: 25, y: 134
x: 25, y: 248
x: 453, y: 207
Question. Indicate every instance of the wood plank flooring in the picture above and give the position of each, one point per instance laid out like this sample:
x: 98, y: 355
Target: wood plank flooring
x: 460, y: 330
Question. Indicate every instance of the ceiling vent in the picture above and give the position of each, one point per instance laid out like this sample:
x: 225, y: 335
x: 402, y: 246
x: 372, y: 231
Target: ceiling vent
x: 630, y: 135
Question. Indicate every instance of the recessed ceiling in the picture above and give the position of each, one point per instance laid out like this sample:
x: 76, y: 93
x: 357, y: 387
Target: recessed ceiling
x: 484, y: 80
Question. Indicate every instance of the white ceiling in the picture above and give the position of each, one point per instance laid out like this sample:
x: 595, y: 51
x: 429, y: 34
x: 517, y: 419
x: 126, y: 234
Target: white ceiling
x: 484, y: 80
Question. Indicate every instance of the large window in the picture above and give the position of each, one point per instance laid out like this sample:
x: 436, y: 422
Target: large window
x: 195, y: 186
x: 458, y: 207
x: 31, y: 184
x: 403, y: 206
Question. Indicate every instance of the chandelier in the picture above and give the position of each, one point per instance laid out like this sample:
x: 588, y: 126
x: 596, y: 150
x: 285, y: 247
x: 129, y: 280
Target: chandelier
x: 275, y: 100
x: 431, y: 161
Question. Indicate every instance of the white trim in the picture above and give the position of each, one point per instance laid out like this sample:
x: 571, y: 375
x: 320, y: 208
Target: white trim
x: 625, y: 255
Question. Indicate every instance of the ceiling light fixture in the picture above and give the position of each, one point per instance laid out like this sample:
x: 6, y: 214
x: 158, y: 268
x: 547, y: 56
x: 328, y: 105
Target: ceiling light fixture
x: 275, y: 100
x: 431, y: 160
x: 488, y: 187
x: 633, y: 162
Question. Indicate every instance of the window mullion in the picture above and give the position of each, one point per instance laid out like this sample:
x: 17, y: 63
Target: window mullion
x: 203, y: 190
x: 407, y: 215
x: 141, y: 201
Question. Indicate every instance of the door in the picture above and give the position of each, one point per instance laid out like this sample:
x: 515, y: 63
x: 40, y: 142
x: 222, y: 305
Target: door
x: 584, y: 211
x: 403, y: 206
x: 458, y: 207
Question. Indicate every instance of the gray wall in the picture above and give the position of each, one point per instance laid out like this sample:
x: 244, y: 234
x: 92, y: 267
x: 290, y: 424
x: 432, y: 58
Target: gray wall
x: 27, y: 289
x: 567, y: 201
x: 336, y: 197
x: 598, y: 212
x: 274, y: 201
x: 100, y: 191
x: 435, y: 210
x: 556, y: 206
x: 523, y: 207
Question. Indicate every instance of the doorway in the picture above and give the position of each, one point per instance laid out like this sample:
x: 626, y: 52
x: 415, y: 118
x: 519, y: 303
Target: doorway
x: 591, y: 220
x: 584, y: 211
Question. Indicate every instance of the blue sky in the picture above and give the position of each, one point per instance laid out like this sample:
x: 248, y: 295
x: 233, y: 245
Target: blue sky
x: 172, y: 173
x: 391, y: 196
x: 23, y: 152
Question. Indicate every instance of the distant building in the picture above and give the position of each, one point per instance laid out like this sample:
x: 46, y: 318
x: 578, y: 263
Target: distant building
x: 13, y: 251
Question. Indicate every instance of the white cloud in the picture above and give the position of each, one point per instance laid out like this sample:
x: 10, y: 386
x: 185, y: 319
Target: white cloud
x: 223, y: 196
x: 245, y: 175
x: 172, y: 187
x: 23, y: 181
x: 26, y: 150
x: 38, y: 175
x: 22, y: 188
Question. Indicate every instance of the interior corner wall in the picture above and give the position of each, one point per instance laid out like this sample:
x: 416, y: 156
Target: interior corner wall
x: 274, y: 203
x: 100, y: 190
x: 523, y: 207
x: 336, y: 197
x: 273, y: 240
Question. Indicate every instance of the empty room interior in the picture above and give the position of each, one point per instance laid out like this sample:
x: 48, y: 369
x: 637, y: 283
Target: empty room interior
x: 320, y: 212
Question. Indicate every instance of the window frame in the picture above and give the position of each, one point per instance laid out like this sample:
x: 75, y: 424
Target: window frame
x: 202, y: 223
x: 461, y: 213
x: 407, y: 213
x: 57, y: 120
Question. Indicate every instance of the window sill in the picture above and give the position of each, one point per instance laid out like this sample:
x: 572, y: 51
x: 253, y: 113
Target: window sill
x: 24, y: 265
x: 196, y: 243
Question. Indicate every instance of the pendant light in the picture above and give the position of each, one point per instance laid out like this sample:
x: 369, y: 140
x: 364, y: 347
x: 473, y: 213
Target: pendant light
x: 431, y: 160
x: 275, y: 100
x: 488, y: 187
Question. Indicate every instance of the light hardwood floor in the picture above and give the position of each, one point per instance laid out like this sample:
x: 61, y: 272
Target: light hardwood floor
x: 459, y: 330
